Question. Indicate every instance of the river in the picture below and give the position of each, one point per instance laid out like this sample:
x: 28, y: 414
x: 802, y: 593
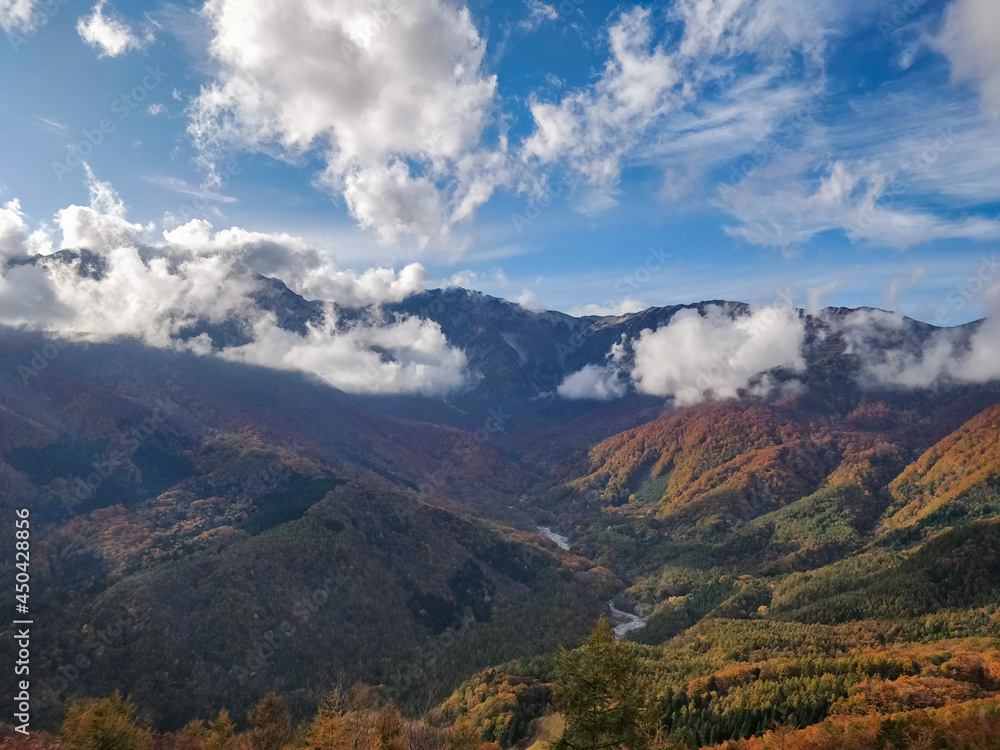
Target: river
x: 625, y: 622
x: 561, y: 541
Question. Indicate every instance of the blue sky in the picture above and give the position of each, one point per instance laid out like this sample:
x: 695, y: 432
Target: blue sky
x: 566, y: 154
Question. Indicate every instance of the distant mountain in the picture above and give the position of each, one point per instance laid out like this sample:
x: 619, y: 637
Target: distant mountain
x: 518, y: 355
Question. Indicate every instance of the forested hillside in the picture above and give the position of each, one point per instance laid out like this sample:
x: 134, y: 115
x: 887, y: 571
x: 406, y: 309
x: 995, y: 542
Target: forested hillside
x: 256, y: 560
x: 205, y: 532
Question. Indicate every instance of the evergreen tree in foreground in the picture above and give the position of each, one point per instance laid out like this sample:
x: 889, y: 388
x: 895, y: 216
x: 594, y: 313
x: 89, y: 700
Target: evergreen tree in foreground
x: 598, y: 693
x: 105, y: 724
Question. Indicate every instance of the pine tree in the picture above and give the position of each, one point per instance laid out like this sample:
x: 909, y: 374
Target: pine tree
x: 598, y: 694
x: 105, y: 724
x: 220, y: 733
x: 270, y: 723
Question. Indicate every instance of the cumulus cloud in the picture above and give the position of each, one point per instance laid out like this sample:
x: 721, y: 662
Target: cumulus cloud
x: 408, y: 356
x: 100, y: 225
x: 971, y: 40
x: 152, y: 299
x: 17, y: 15
x: 392, y: 95
x: 598, y: 382
x: 716, y: 355
x: 530, y: 301
x: 946, y: 356
x: 16, y: 239
x: 108, y: 35
x: 125, y: 285
x: 304, y: 269
x: 698, y: 357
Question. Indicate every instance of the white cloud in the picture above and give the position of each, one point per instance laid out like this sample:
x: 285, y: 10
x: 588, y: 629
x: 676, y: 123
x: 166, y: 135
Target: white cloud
x: 109, y: 36
x: 462, y: 279
x: 154, y: 110
x: 158, y: 292
x: 735, y: 71
x: 529, y: 300
x: 971, y: 40
x: 696, y: 357
x: 735, y: 95
x: 16, y: 239
x: 596, y: 382
x: 53, y: 126
x: 621, y: 307
x: 538, y: 13
x: 100, y: 225
x: 304, y: 269
x: 947, y: 356
x: 817, y: 294
x: 17, y: 16
x: 151, y: 299
x: 182, y: 187
x: 780, y: 207
x: 593, y: 129
x: 392, y: 95
x: 391, y: 201
x: 419, y: 357
x: 470, y: 279
x: 901, y: 284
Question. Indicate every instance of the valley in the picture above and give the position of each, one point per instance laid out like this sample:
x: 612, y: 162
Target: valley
x: 767, y: 560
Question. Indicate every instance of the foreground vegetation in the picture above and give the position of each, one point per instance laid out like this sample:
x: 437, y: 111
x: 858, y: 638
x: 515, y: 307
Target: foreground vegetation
x: 726, y: 684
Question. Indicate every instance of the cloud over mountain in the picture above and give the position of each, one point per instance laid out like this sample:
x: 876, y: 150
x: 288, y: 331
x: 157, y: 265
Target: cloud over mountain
x: 117, y: 282
x: 718, y: 353
x: 946, y: 356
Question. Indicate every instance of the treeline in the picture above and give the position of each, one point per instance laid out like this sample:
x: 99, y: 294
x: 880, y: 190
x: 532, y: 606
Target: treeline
x: 356, y: 719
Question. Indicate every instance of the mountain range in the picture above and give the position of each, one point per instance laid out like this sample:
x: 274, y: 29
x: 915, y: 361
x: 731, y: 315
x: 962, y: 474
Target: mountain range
x: 207, y: 531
